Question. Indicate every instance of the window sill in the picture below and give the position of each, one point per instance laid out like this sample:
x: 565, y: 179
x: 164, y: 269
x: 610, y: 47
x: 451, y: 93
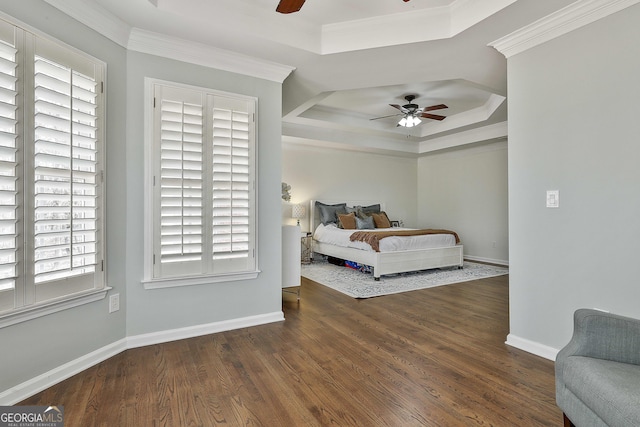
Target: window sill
x: 34, y: 312
x: 175, y: 282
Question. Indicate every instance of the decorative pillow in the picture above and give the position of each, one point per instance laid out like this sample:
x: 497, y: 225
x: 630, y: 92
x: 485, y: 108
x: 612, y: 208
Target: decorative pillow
x: 381, y: 220
x: 347, y: 221
x: 364, y: 211
x: 364, y: 223
x: 329, y: 213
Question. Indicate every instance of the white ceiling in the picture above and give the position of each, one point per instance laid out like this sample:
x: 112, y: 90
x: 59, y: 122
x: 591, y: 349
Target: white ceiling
x: 351, y: 61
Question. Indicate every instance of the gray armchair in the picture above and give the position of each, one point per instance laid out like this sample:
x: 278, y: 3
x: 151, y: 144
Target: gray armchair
x: 598, y: 372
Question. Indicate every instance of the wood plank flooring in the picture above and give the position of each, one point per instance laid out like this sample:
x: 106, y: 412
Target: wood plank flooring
x: 433, y: 357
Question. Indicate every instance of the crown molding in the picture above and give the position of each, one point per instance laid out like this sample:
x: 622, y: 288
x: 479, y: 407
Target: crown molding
x: 421, y: 25
x: 300, y: 135
x: 467, y: 13
x: 488, y: 146
x: 489, y: 133
x: 96, y: 18
x: 465, y: 118
x: 565, y: 20
x: 200, y: 54
x: 143, y: 41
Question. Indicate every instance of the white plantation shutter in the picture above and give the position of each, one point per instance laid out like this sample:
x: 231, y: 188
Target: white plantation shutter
x: 181, y: 182
x: 180, y: 175
x: 50, y: 172
x: 8, y: 172
x: 231, y: 179
x: 203, y: 174
x: 65, y: 172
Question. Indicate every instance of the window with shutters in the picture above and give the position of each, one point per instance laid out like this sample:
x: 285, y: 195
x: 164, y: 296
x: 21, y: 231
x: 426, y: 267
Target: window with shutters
x: 51, y: 241
x: 201, y: 207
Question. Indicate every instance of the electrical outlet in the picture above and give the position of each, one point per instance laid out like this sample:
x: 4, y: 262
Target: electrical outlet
x: 114, y: 303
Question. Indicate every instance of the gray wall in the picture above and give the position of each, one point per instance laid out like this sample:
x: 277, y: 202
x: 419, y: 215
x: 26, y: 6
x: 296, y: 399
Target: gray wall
x: 574, y: 127
x: 466, y: 191
x: 437, y: 190
x: 161, y: 309
x: 330, y: 174
x: 37, y: 346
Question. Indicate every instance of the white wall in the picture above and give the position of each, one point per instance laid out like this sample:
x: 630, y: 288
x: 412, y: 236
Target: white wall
x: 466, y: 191
x: 330, y: 174
x: 574, y: 126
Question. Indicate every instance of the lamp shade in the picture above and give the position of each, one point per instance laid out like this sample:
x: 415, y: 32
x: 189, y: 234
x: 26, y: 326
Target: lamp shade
x: 298, y: 211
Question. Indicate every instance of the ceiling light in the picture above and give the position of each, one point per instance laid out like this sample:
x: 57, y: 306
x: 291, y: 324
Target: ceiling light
x: 409, y: 121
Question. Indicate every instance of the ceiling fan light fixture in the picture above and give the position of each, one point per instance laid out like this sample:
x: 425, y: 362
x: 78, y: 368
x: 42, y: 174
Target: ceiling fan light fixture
x: 409, y: 121
x: 412, y: 113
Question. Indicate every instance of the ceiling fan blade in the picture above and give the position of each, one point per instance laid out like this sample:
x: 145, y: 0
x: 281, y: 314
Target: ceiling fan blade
x: 432, y: 116
x: 400, y: 107
x: 435, y: 107
x: 289, y: 6
x: 384, y: 117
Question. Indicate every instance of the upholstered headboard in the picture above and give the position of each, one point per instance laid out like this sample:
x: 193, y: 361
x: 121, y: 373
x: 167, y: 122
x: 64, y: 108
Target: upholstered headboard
x: 314, y: 219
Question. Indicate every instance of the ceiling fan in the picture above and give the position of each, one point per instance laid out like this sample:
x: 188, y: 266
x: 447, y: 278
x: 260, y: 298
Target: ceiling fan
x: 412, y: 113
x: 290, y: 6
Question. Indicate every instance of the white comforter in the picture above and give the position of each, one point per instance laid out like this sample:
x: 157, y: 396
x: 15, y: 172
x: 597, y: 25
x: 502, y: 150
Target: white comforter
x: 337, y: 236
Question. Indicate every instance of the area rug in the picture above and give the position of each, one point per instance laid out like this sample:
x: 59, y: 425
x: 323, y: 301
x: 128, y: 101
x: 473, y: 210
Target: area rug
x: 357, y: 284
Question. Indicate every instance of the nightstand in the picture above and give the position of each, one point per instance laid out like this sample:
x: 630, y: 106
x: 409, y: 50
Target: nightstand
x: 291, y: 258
x: 306, y: 243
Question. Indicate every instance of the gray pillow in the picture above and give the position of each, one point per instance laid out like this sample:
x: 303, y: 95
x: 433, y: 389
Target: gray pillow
x: 365, y: 223
x: 329, y: 213
x: 367, y: 210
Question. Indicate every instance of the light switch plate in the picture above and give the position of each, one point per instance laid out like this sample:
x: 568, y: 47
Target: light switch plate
x: 553, y: 198
x: 114, y: 303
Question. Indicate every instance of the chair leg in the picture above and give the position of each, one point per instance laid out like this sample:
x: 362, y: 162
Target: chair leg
x: 567, y: 421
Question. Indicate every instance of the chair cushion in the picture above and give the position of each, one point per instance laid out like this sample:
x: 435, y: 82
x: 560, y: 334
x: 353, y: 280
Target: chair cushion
x: 610, y: 389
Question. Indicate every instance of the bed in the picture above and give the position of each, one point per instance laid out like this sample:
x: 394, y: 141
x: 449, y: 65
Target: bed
x: 434, y: 251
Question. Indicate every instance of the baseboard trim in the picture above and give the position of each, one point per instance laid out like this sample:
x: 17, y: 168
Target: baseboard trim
x: 37, y: 384
x: 61, y: 373
x: 532, y: 347
x: 199, y: 330
x: 487, y: 260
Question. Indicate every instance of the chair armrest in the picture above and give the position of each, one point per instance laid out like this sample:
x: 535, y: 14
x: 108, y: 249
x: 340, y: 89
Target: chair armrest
x: 599, y: 335
x: 605, y: 336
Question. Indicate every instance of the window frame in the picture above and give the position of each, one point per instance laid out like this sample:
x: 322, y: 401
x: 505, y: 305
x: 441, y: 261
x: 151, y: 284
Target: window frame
x: 151, y: 153
x: 63, y: 293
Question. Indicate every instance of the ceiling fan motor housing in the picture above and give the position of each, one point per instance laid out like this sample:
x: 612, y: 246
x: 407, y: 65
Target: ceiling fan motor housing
x: 411, y: 110
x: 410, y: 106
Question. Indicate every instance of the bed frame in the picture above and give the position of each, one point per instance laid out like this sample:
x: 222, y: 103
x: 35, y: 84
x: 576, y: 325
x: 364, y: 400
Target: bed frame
x: 387, y: 262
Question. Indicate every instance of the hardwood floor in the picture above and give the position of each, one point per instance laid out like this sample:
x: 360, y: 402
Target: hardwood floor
x: 434, y: 357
